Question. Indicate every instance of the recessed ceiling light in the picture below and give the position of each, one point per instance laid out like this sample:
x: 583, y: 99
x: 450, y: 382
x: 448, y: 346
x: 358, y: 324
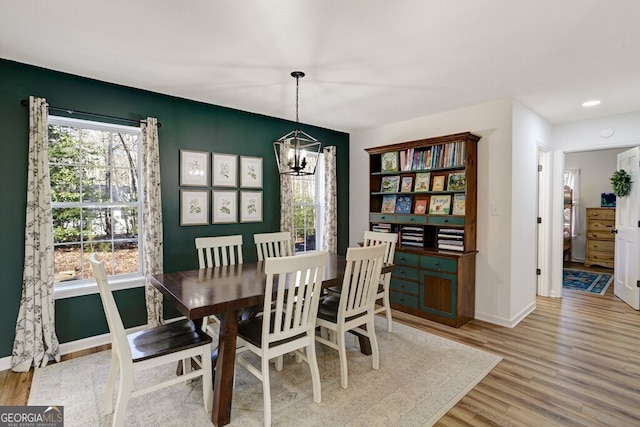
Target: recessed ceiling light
x: 590, y: 103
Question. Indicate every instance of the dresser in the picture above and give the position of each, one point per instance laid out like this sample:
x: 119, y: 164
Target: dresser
x: 600, y: 239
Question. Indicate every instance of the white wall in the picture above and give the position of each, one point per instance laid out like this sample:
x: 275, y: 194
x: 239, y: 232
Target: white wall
x: 493, y: 121
x: 596, y: 168
x: 582, y: 136
x: 529, y: 131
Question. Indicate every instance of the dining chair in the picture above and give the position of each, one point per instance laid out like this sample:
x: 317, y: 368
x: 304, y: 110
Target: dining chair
x: 389, y: 240
x: 354, y: 307
x: 218, y: 251
x: 273, y: 244
x: 290, y: 327
x: 156, y: 346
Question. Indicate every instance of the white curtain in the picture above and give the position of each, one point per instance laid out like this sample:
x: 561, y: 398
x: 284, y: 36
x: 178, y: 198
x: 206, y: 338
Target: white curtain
x: 35, y: 340
x: 151, y: 229
x: 330, y: 230
x: 572, y: 180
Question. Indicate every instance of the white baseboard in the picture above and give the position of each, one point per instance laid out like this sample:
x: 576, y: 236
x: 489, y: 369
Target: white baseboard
x: 82, y: 344
x: 509, y: 323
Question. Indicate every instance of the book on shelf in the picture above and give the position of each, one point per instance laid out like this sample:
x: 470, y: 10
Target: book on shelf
x: 438, y: 183
x: 381, y: 227
x: 458, y: 204
x: 422, y: 181
x: 403, y: 204
x: 440, y: 205
x: 407, y: 184
x: 421, y: 207
x: 457, y: 181
x: 388, y: 204
x: 390, y: 161
x: 451, y: 242
x: 390, y: 184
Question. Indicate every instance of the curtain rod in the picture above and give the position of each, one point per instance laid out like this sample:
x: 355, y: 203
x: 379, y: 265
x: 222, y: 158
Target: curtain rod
x: 25, y: 102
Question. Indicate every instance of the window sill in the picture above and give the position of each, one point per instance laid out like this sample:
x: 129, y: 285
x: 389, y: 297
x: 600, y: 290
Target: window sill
x: 67, y: 290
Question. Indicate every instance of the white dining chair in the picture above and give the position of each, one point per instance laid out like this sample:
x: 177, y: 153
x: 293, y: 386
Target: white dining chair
x: 214, y: 252
x: 354, y: 307
x: 389, y: 240
x: 273, y: 244
x: 296, y: 282
x: 165, y: 344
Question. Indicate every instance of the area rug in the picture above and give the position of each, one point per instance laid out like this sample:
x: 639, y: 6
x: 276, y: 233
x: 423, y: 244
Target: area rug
x: 421, y: 377
x: 586, y: 281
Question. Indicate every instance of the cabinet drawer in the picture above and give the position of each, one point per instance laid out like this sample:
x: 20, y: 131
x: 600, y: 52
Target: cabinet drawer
x: 600, y: 235
x: 437, y: 263
x: 382, y: 217
x: 446, y: 220
x: 412, y: 219
x: 601, y: 214
x: 600, y: 225
x: 601, y: 246
x: 596, y: 256
x: 403, y: 299
x: 405, y: 258
x: 404, y: 286
x: 402, y: 272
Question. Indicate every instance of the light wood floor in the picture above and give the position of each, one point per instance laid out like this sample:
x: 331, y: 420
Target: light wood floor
x: 574, y: 361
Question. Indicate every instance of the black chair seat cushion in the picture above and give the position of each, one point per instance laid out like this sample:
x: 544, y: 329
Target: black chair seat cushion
x: 166, y: 339
x: 251, y: 330
x: 328, y: 309
x: 336, y: 290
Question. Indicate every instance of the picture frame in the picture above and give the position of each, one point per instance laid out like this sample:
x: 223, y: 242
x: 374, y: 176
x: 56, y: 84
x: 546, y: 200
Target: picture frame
x: 251, y: 206
x: 422, y: 182
x: 457, y: 181
x: 389, y: 162
x: 194, y: 168
x: 390, y: 184
x: 224, y: 170
x: 440, y: 205
x: 194, y: 207
x: 224, y: 206
x: 459, y: 201
x: 250, y: 172
x: 438, y: 183
x: 407, y: 184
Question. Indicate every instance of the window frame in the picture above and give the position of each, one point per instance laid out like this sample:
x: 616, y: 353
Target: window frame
x: 74, y: 288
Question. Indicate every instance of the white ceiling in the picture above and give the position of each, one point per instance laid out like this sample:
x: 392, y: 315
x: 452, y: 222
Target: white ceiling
x: 368, y: 62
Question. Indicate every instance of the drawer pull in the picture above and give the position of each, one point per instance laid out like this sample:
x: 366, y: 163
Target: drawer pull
x: 614, y: 231
x: 437, y: 264
x: 383, y: 217
x: 446, y: 220
x: 412, y: 219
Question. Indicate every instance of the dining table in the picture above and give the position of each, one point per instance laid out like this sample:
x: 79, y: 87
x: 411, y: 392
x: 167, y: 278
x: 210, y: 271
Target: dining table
x: 228, y: 291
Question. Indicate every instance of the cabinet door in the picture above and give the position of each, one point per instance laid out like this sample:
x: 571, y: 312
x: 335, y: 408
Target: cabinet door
x: 438, y: 293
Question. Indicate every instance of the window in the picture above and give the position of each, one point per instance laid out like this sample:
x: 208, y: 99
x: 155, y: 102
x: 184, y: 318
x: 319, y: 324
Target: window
x: 94, y: 179
x: 308, y: 208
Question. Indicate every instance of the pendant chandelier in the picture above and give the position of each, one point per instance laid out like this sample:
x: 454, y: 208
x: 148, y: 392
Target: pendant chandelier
x: 297, y: 152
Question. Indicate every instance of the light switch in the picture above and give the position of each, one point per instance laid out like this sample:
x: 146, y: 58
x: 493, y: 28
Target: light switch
x: 495, y: 211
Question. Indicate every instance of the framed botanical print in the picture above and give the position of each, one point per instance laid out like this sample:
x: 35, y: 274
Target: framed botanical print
x: 251, y: 206
x: 224, y: 170
x: 194, y: 168
x: 250, y: 172
x: 194, y: 207
x: 224, y: 206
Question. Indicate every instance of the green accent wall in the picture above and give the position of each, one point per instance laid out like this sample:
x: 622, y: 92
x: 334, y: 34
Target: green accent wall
x: 185, y: 124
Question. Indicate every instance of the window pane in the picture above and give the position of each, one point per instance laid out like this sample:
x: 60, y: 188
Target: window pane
x: 65, y: 183
x: 67, y: 261
x: 125, y: 223
x: 126, y: 257
x: 124, y: 185
x: 98, y: 224
x: 96, y: 185
x: 67, y: 225
x: 63, y: 145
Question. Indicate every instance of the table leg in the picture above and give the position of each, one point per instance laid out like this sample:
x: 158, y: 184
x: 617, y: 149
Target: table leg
x: 223, y: 387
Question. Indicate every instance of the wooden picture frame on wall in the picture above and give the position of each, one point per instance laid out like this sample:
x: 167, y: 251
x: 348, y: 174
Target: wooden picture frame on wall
x: 224, y: 170
x: 250, y: 172
x: 251, y: 206
x: 224, y: 206
x: 194, y: 168
x: 194, y: 207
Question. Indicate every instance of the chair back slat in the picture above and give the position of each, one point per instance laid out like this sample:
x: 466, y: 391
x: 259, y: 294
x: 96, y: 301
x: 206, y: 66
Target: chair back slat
x: 361, y: 279
x: 297, y: 282
x: 273, y: 245
x: 372, y: 238
x: 116, y: 328
x: 219, y: 251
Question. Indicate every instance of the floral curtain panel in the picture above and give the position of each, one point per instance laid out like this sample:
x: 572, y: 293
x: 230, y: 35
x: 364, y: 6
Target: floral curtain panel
x: 330, y: 230
x: 286, y: 200
x: 151, y: 230
x: 35, y: 340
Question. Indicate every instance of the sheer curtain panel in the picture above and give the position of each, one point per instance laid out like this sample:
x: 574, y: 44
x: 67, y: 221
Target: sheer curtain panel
x: 35, y: 340
x: 151, y: 229
x: 286, y: 200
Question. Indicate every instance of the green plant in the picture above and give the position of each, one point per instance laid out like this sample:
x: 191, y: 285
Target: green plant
x: 621, y: 182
